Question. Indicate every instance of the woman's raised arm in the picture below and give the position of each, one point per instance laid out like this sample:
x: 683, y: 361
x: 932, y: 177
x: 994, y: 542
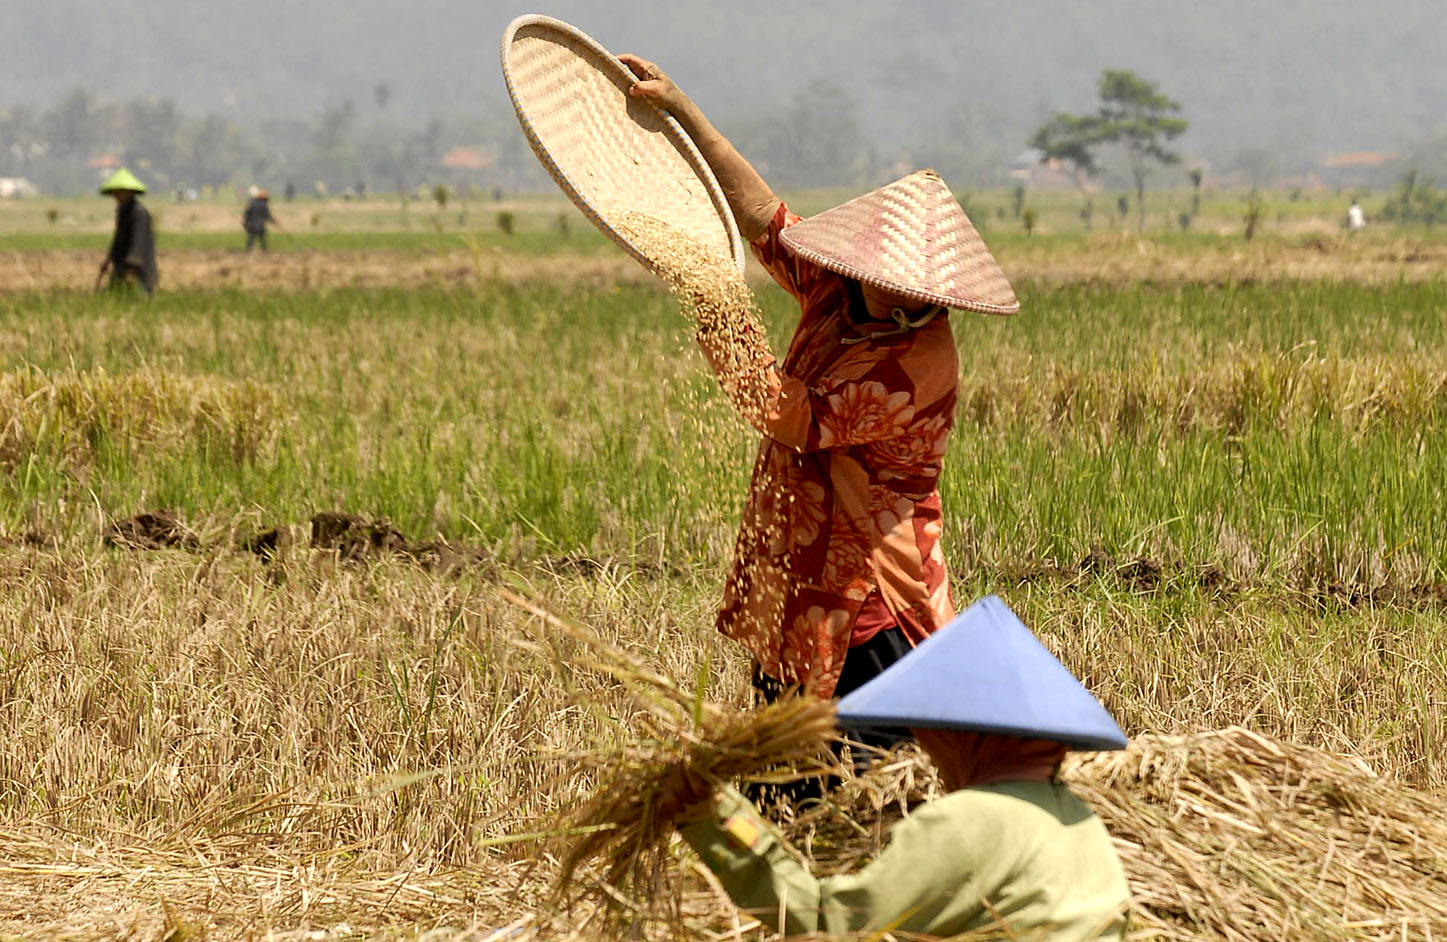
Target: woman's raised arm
x: 750, y: 198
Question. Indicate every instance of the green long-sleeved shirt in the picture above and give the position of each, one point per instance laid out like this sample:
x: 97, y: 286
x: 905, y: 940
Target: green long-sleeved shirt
x: 1029, y: 853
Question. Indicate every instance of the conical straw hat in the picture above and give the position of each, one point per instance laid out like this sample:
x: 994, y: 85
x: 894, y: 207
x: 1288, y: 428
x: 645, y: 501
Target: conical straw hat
x: 122, y: 179
x: 984, y: 672
x: 910, y: 237
x: 609, y: 152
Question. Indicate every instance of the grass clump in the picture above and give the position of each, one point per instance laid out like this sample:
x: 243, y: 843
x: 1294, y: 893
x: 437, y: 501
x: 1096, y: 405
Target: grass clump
x: 72, y: 417
x: 1235, y: 393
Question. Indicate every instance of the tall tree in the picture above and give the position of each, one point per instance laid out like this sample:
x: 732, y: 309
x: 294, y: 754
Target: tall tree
x: 207, y: 157
x: 1132, y: 114
x: 826, y: 145
x: 334, y: 127
x: 152, y: 136
x: 334, y: 156
x: 1070, y: 139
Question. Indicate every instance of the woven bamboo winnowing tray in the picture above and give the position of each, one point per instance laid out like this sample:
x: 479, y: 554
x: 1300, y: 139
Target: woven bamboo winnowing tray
x: 609, y: 152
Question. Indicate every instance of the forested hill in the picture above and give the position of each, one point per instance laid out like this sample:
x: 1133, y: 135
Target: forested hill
x: 1298, y: 76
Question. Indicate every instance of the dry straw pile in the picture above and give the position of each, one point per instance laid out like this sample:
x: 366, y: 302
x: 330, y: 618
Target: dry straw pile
x: 627, y: 823
x: 1223, y: 835
x: 1233, y: 835
x: 263, y: 761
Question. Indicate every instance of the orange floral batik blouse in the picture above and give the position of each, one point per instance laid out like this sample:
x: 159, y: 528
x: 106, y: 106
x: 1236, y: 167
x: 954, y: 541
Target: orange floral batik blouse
x: 843, y: 513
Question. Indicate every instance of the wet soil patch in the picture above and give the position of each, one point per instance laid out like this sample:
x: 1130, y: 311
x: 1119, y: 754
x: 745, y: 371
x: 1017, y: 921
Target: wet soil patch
x: 265, y: 543
x: 355, y: 537
x: 1358, y: 595
x: 363, y: 539
x: 443, y: 557
x: 1140, y: 572
x: 155, y: 529
x: 1146, y: 575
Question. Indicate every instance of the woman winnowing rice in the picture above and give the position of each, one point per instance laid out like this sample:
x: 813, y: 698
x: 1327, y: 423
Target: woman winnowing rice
x: 838, y: 569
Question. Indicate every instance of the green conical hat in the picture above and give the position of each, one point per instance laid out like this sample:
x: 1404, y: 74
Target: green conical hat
x: 122, y: 179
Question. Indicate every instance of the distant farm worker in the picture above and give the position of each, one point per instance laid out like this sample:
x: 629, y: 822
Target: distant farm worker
x: 1008, y: 849
x: 255, y: 217
x: 1356, y: 219
x: 131, y: 258
x: 838, y: 570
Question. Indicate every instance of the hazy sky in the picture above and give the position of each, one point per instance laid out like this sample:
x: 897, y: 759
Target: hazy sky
x: 1335, y: 74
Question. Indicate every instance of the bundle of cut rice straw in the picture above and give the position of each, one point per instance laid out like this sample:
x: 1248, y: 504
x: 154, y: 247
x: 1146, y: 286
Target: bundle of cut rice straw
x: 627, y: 824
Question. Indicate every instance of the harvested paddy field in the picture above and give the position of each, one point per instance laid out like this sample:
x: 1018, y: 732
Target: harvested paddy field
x: 1219, y: 498
x: 381, y: 243
x: 222, y: 270
x: 209, y: 262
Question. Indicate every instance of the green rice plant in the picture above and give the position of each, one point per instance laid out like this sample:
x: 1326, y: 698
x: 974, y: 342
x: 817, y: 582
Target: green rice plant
x: 1266, y: 430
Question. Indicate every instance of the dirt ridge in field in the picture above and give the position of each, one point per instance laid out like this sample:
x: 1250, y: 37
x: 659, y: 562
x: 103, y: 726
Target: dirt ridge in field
x: 1109, y: 261
x: 300, y: 271
x: 362, y: 539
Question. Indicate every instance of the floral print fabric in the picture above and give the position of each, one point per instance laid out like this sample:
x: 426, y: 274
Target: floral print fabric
x: 843, y: 501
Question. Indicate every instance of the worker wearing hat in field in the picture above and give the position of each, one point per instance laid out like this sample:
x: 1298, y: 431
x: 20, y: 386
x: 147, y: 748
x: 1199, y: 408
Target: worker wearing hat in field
x: 1009, y: 848
x: 131, y: 258
x: 838, y: 569
x: 255, y: 217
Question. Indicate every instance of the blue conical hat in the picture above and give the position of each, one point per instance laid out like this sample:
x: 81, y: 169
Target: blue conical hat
x: 984, y: 672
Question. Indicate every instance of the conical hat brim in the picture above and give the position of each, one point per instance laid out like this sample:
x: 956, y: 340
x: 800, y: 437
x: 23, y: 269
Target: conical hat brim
x: 984, y: 672
x: 122, y: 179
x: 911, y: 238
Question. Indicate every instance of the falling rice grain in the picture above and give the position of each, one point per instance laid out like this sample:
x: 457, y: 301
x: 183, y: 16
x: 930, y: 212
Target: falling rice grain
x: 718, y: 301
x: 716, y: 298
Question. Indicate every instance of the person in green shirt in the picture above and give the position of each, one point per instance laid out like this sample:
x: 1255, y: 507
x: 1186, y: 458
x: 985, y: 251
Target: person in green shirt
x: 1009, y: 847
